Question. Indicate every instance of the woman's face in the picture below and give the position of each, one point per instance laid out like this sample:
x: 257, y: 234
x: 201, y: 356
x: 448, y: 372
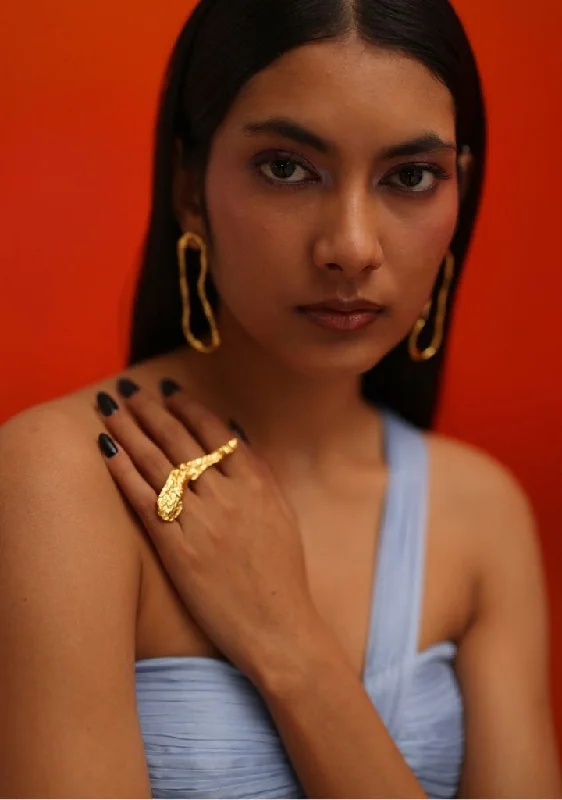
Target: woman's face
x: 307, y: 201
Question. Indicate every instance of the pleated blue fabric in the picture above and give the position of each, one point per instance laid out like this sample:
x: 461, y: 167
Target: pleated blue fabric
x: 208, y: 734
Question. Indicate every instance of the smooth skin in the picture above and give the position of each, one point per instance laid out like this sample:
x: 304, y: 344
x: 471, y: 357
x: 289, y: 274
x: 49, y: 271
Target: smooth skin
x: 83, y: 591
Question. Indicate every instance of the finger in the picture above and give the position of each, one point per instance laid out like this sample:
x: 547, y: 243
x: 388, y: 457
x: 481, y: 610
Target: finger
x: 208, y: 428
x: 168, y: 432
x: 168, y: 537
x: 147, y: 457
x: 163, y: 428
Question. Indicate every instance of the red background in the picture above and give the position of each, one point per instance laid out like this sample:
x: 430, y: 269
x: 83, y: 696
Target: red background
x: 78, y: 94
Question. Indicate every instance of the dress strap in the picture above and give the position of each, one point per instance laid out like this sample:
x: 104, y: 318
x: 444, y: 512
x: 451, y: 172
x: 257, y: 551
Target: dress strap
x: 398, y: 590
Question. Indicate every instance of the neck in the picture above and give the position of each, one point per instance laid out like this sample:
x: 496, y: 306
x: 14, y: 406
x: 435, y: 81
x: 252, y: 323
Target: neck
x: 292, y: 418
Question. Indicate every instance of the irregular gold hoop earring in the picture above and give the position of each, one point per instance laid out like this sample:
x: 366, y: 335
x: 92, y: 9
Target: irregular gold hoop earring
x: 425, y: 355
x: 184, y: 243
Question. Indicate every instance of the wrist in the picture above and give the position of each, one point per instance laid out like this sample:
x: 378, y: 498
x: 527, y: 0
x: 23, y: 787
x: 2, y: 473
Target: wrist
x: 288, y: 667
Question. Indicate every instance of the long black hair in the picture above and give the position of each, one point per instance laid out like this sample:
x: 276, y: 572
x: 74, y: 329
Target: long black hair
x: 225, y: 43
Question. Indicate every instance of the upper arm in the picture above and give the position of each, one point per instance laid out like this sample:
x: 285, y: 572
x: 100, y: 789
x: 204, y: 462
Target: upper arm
x: 68, y: 587
x: 503, y: 659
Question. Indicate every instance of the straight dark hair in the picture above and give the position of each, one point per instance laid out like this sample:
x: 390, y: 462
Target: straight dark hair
x: 225, y: 43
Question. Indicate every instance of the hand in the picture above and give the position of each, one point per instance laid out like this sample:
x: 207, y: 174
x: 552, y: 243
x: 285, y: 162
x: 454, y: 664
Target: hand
x: 234, y: 554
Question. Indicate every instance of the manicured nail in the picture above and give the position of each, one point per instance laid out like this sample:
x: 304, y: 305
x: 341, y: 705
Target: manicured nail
x: 107, y: 404
x: 235, y: 428
x: 107, y: 446
x: 168, y: 387
x: 127, y: 388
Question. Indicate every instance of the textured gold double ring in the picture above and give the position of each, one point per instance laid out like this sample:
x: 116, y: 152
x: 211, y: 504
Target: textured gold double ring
x: 170, y: 499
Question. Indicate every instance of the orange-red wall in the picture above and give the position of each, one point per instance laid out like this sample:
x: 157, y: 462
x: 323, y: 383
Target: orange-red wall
x: 78, y: 91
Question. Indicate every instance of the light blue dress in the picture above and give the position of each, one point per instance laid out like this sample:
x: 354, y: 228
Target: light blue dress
x: 207, y: 733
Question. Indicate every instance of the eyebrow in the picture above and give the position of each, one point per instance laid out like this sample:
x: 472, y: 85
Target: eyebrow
x: 427, y: 142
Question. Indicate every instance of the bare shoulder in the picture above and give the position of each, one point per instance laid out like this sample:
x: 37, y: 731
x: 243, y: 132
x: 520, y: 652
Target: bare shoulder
x: 502, y: 663
x: 70, y: 575
x: 482, y: 534
x: 500, y: 535
x: 483, y: 494
x: 50, y: 463
x: 59, y: 508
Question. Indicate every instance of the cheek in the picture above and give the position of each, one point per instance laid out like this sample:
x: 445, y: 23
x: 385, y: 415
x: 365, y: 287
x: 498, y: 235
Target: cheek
x: 254, y: 245
x: 417, y: 250
x: 439, y: 228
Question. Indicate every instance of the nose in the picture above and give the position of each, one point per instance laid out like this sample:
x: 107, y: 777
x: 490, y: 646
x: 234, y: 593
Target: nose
x: 350, y: 243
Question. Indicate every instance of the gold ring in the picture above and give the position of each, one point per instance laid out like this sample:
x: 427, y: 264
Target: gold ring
x: 170, y: 500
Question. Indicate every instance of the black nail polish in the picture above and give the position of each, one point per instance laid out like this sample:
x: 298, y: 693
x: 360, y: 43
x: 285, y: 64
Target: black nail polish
x: 107, y: 446
x: 168, y: 387
x: 107, y: 404
x: 235, y: 428
x: 127, y: 388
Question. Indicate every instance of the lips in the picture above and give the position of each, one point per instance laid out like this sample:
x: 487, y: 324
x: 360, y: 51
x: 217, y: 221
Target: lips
x: 342, y: 316
x: 345, y: 306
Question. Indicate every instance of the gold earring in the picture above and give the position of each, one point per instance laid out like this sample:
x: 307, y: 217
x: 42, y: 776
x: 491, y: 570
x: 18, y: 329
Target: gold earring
x: 186, y: 240
x: 425, y: 355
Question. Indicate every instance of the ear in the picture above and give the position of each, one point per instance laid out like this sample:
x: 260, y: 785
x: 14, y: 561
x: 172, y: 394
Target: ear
x: 465, y: 162
x: 185, y: 196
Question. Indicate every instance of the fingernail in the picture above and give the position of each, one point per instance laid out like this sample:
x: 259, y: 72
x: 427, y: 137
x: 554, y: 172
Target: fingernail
x: 235, y: 428
x: 107, y: 445
x: 168, y: 387
x: 107, y: 404
x: 127, y: 388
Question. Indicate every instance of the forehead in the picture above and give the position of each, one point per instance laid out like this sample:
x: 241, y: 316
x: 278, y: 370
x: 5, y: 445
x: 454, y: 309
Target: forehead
x: 349, y: 87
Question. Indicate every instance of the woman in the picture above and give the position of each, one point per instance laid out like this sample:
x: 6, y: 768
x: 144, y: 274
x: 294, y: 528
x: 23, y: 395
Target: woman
x: 347, y: 604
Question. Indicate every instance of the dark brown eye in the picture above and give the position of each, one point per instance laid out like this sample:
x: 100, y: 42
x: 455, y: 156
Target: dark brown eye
x: 417, y: 179
x: 412, y: 177
x: 283, y: 170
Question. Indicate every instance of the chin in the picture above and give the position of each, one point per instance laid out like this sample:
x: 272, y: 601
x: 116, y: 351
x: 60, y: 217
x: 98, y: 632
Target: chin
x: 334, y: 365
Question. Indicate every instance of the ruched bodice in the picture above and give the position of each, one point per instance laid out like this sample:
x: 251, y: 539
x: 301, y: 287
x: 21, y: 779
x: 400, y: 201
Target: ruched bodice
x: 207, y: 732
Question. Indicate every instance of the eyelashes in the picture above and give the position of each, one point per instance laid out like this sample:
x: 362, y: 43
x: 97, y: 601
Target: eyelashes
x: 288, y: 166
x: 435, y: 172
x: 283, y: 162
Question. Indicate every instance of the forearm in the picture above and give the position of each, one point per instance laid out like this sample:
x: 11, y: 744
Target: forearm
x: 334, y: 736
